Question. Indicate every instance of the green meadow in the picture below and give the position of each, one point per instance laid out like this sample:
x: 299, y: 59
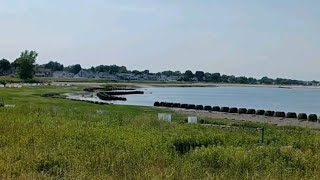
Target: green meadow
x: 53, y: 138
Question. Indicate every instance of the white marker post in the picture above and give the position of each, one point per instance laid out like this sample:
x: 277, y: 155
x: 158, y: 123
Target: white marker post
x: 192, y: 120
x: 165, y: 117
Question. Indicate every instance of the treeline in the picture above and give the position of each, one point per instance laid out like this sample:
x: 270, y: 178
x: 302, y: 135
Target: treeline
x: 187, y: 76
x: 26, y: 62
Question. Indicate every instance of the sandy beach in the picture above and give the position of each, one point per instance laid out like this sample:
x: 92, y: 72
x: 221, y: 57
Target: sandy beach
x: 246, y: 117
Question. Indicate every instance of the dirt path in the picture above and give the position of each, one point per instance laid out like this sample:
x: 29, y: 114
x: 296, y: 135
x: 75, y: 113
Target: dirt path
x: 247, y: 117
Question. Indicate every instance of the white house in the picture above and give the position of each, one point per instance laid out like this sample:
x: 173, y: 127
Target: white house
x: 84, y: 74
x: 62, y: 74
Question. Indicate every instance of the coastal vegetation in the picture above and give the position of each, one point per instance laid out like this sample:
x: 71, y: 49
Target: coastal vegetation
x: 55, y: 138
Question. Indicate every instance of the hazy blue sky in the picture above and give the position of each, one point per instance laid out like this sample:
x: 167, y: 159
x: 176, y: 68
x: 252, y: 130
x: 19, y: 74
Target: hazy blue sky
x: 277, y: 38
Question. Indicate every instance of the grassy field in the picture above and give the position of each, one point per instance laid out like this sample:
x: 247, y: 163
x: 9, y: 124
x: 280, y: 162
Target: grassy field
x: 46, y: 138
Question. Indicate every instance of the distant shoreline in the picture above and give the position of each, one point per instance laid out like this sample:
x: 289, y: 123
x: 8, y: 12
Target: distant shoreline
x: 189, y: 85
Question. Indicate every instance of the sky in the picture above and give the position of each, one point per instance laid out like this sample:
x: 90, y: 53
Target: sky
x: 274, y: 38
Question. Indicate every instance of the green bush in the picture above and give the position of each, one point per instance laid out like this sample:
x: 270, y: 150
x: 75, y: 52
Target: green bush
x: 156, y: 103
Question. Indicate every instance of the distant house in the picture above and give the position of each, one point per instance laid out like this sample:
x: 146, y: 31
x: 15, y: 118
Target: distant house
x: 126, y: 76
x: 173, y: 78
x: 62, y: 74
x: 12, y: 71
x: 106, y: 76
x: 84, y: 74
x: 43, y: 72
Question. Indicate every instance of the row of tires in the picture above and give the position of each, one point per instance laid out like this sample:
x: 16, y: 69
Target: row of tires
x: 301, y: 116
x: 106, y: 97
x: 93, y: 102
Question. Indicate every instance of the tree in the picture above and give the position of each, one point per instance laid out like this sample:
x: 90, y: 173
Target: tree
x: 199, y: 75
x: 188, y: 74
x: 167, y: 73
x: 92, y: 69
x: 54, y: 66
x: 25, y: 64
x: 224, y: 78
x: 177, y: 73
x: 242, y: 80
x: 216, y: 77
x: 266, y: 80
x: 74, y: 68
x: 4, y: 66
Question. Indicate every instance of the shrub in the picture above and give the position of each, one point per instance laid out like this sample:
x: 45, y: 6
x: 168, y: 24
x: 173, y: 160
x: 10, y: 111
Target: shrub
x: 199, y: 107
x: 242, y: 111
x: 260, y: 112
x: 207, y: 108
x: 215, y: 108
x: 279, y: 114
x: 156, y: 103
x: 251, y: 111
x: 291, y: 115
x: 269, y: 113
x: 313, y: 117
x: 303, y: 116
x: 224, y: 109
x: 184, y: 106
x: 191, y: 106
x: 162, y: 103
x: 233, y: 110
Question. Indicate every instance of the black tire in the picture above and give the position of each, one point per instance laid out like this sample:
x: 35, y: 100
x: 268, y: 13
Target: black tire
x: 242, y: 111
x: 224, y: 109
x: 176, y: 105
x: 251, y: 111
x: 312, y: 117
x: 233, y: 110
x: 184, y: 106
x: 279, y: 114
x: 260, y: 112
x: 191, y: 106
x: 208, y: 108
x: 303, y: 116
x: 215, y: 108
x: 199, y: 107
x: 269, y: 113
x: 291, y: 115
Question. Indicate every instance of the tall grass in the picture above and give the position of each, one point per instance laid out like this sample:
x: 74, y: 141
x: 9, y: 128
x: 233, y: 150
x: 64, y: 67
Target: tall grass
x: 44, y: 138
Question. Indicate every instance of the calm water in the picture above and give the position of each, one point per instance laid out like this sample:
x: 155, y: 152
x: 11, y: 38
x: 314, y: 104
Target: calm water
x: 295, y: 100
